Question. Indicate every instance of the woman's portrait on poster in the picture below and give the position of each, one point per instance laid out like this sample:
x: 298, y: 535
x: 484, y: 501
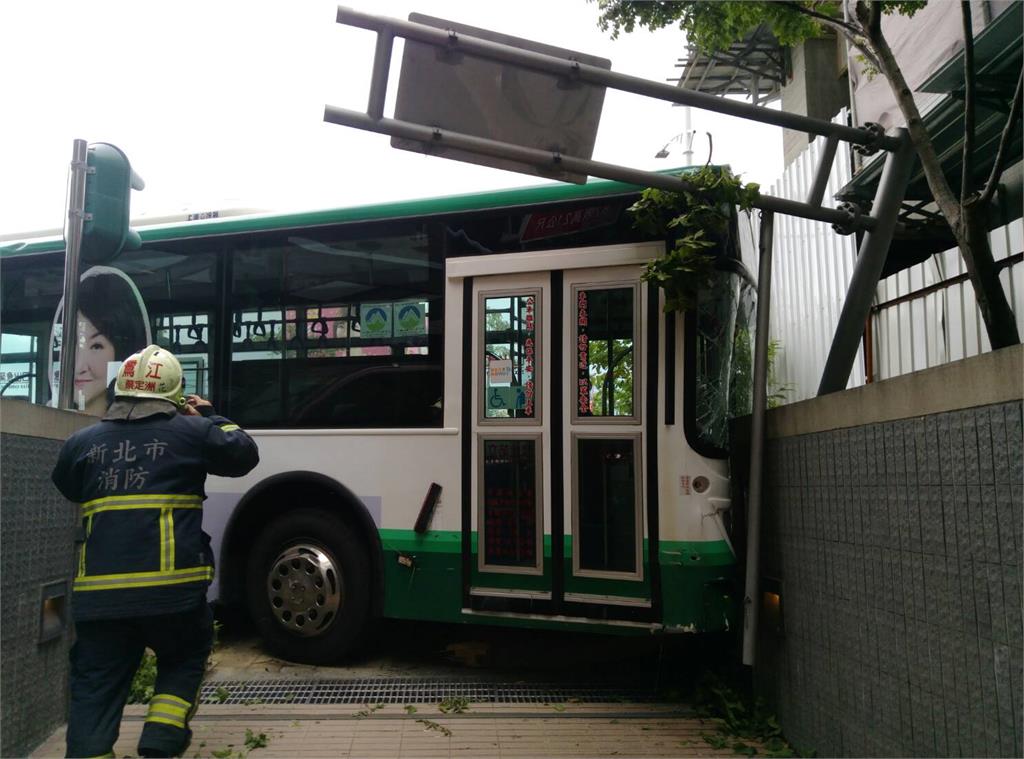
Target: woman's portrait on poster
x: 112, y: 324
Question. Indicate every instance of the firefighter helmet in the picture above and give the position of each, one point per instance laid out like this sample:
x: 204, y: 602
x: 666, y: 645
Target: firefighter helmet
x: 151, y: 373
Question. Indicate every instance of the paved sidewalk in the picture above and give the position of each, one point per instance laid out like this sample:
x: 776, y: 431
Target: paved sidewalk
x: 488, y: 731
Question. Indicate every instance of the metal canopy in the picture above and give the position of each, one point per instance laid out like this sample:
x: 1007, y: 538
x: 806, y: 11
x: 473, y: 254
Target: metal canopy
x: 754, y: 67
x: 998, y: 59
x: 995, y: 47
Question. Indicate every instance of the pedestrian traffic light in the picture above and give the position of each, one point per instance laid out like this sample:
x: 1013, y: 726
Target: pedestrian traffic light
x: 108, y: 185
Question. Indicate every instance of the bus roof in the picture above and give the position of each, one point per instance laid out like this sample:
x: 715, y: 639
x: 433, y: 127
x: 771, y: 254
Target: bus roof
x: 479, y: 201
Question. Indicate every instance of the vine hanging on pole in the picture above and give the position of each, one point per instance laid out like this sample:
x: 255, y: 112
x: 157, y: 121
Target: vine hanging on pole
x: 689, y: 219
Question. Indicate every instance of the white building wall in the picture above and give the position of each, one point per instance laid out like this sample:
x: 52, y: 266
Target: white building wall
x: 812, y: 267
x: 944, y: 325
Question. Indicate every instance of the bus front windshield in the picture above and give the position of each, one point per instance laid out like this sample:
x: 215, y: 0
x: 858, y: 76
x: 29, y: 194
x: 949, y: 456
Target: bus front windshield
x: 724, y: 366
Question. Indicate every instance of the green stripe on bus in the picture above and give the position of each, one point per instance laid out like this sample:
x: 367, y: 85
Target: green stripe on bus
x: 697, y: 578
x: 705, y: 552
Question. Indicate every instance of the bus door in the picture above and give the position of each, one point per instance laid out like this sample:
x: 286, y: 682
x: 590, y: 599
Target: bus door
x: 554, y: 519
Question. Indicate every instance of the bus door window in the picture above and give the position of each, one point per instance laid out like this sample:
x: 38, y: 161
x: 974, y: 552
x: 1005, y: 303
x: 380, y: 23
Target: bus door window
x: 511, y: 356
x: 511, y: 505
x: 608, y: 497
x: 606, y: 352
x: 606, y: 433
x: 510, y: 512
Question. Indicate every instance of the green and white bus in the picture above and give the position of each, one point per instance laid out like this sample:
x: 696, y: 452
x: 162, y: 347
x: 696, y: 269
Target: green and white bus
x: 469, y: 409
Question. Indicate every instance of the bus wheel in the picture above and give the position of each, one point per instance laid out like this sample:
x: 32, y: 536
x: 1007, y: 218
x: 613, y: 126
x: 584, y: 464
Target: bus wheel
x: 308, y: 587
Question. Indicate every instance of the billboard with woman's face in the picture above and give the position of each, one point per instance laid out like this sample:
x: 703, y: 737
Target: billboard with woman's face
x: 112, y: 325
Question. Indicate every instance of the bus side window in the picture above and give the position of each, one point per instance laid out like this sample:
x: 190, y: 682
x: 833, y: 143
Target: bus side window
x: 336, y: 329
x: 18, y: 366
x: 32, y: 287
x: 178, y: 282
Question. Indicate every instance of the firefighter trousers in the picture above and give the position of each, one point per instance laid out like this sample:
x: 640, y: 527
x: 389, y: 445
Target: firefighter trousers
x: 104, y: 659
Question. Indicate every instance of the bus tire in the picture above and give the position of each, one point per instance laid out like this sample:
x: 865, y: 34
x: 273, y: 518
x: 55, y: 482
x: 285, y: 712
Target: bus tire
x: 308, y: 586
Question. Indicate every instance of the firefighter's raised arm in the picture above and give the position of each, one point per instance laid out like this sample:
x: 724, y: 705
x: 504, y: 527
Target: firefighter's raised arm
x: 228, y: 449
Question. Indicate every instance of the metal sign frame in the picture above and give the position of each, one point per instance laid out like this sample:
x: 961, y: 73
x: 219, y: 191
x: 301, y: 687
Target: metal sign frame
x: 846, y: 219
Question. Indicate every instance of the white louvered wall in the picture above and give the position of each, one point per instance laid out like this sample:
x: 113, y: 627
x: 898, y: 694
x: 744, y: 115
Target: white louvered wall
x: 813, y: 266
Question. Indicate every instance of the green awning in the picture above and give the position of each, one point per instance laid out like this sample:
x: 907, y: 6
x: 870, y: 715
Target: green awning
x: 998, y: 60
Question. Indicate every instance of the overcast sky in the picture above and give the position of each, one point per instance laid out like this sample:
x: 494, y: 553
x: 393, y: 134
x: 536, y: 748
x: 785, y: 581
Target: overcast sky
x: 220, y: 104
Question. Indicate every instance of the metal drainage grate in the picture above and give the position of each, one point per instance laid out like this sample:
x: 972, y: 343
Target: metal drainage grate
x: 410, y: 691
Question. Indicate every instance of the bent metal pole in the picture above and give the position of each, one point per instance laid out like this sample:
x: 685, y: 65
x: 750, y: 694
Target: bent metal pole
x: 582, y: 72
x: 874, y: 249
x: 764, y: 297
x: 546, y: 160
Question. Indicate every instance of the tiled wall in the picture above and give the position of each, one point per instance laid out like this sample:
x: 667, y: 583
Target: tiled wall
x: 37, y: 530
x: 897, y: 548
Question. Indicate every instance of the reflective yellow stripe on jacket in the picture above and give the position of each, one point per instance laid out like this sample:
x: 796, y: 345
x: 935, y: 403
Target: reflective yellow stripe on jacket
x: 81, y: 553
x: 143, y: 579
x: 166, y: 574
x: 152, y: 501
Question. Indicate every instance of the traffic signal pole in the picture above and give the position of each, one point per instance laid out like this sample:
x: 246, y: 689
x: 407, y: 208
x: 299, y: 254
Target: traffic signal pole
x: 74, y: 221
x: 96, y: 230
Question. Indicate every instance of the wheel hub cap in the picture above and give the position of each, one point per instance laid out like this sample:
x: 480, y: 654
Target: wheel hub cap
x: 304, y: 589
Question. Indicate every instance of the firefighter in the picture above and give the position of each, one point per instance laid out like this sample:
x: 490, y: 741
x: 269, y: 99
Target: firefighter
x: 146, y: 563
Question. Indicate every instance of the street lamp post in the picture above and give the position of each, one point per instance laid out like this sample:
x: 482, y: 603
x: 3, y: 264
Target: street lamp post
x: 687, y: 134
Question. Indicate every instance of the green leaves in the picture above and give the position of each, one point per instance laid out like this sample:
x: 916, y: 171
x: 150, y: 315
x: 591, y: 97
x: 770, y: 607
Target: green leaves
x: 254, y: 740
x: 436, y: 726
x: 689, y: 218
x: 141, y: 690
x: 713, y: 26
x: 454, y: 705
x: 682, y: 272
x: 744, y: 719
x: 717, y: 742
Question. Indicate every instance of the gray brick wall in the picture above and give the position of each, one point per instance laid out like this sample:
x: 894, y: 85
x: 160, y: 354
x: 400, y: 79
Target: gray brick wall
x: 36, y: 547
x: 899, y: 550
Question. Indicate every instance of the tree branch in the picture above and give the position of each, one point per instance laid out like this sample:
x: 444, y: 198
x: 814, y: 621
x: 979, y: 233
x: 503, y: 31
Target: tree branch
x: 1009, y: 131
x: 967, y: 159
x: 875, y: 19
x: 861, y: 40
x: 930, y: 164
x: 847, y: 30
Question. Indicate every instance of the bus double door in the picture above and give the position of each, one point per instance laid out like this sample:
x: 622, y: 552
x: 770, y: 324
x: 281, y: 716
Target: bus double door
x: 555, y: 519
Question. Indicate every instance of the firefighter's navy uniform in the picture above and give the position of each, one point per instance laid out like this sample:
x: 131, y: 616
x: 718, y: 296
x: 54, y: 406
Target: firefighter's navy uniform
x: 145, y: 566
